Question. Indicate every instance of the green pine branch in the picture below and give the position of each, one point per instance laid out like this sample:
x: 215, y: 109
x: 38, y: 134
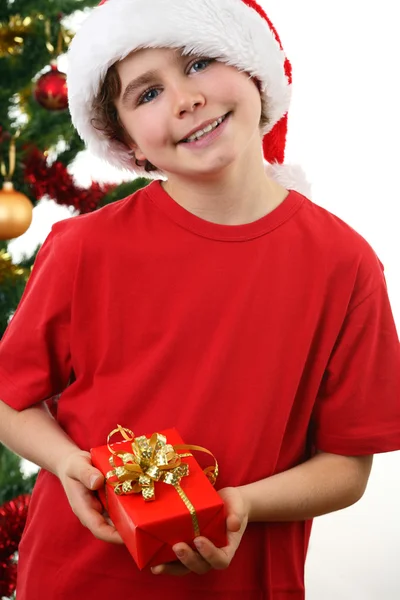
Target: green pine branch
x: 13, y: 481
x: 38, y: 127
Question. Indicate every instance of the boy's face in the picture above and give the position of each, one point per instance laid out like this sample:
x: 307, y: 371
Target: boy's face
x: 182, y: 94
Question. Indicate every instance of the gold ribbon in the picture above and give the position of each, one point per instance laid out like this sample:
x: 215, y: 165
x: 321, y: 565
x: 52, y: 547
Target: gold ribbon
x: 7, y: 174
x: 153, y: 460
x: 64, y: 38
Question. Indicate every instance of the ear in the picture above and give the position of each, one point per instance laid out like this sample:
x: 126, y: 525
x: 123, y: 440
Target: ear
x: 135, y: 150
x: 138, y: 153
x: 128, y: 141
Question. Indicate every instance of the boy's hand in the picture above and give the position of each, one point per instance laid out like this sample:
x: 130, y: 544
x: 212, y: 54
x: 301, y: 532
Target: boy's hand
x: 208, y: 556
x: 80, y: 479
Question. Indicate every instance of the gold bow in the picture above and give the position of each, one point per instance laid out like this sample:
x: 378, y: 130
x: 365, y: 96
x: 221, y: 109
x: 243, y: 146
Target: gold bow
x: 150, y: 461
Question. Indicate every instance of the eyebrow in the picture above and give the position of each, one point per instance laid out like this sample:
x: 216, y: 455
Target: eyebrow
x: 150, y: 77
x: 138, y: 83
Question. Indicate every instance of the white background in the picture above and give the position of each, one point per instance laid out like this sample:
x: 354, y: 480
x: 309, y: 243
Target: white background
x: 344, y: 130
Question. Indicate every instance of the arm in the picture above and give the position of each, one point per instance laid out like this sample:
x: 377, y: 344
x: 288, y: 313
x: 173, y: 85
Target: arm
x: 323, y: 484
x: 35, y: 435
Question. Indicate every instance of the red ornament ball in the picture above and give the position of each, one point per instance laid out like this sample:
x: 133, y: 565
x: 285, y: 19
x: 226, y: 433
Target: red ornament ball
x: 50, y: 90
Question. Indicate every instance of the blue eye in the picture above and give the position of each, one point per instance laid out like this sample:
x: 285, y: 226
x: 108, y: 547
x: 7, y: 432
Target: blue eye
x: 144, y: 98
x: 204, y: 61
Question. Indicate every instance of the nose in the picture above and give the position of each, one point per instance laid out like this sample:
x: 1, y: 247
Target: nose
x: 187, y: 98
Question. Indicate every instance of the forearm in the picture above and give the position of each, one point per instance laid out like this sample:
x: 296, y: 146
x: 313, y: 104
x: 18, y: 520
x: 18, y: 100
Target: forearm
x: 323, y: 484
x: 35, y: 435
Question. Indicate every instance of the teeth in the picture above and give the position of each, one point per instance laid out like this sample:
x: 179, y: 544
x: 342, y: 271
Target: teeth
x: 198, y: 134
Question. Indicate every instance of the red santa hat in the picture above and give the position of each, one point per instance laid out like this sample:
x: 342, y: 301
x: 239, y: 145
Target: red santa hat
x: 237, y: 32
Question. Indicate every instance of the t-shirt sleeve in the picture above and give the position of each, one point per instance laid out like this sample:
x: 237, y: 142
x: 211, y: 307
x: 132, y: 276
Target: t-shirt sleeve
x: 357, y: 411
x: 35, y: 361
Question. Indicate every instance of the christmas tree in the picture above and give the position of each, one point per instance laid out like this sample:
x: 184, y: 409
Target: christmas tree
x: 37, y: 141
x: 37, y: 147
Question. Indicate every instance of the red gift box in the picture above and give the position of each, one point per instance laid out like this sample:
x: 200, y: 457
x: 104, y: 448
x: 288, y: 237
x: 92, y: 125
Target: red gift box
x: 150, y: 528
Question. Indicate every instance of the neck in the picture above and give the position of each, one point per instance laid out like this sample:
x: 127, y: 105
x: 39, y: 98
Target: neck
x: 236, y: 197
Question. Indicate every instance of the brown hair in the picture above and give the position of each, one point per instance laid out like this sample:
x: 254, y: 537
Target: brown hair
x: 107, y: 119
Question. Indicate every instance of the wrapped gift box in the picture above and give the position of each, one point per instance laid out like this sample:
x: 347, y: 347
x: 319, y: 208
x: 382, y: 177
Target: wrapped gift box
x: 150, y: 528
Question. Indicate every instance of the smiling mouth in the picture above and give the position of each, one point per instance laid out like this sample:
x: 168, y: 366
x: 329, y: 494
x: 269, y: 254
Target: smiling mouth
x: 206, y: 131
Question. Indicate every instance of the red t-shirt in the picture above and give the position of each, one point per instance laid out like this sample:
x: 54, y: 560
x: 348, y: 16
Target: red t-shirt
x: 257, y: 341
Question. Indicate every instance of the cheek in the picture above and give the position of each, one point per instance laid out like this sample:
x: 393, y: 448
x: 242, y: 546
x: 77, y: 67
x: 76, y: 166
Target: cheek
x: 143, y: 131
x: 151, y: 128
x: 239, y: 90
x: 250, y: 98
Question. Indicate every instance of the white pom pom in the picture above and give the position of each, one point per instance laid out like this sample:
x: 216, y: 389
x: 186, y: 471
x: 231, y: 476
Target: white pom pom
x: 291, y: 177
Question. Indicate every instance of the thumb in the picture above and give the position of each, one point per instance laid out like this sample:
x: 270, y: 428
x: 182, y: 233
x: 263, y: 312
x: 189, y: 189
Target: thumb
x: 91, y: 477
x: 234, y: 508
x: 234, y: 522
x: 96, y: 479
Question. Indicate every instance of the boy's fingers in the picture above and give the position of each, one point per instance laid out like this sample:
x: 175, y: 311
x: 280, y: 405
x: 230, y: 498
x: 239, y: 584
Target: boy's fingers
x: 107, y: 518
x: 96, y: 523
x: 91, y: 477
x: 177, y: 569
x: 218, y: 558
x: 79, y: 479
x: 208, y: 556
x: 194, y: 561
x: 80, y: 468
x: 89, y: 511
x: 95, y: 479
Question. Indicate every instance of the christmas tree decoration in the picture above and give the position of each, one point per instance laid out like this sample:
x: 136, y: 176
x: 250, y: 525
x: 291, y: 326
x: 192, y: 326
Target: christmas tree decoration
x: 12, y: 522
x: 53, y: 180
x: 50, y: 90
x: 15, y: 212
x: 12, y: 35
x: 9, y: 271
x: 15, y: 208
x: 8, y: 577
x: 13, y: 278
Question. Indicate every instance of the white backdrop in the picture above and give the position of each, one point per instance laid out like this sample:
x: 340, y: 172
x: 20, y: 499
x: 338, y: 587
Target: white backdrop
x: 344, y: 130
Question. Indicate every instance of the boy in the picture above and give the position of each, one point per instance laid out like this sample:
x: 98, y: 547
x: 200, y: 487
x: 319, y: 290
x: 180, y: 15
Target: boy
x: 231, y: 307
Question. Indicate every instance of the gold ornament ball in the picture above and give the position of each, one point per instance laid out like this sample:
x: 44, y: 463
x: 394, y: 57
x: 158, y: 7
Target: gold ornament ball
x: 15, y: 212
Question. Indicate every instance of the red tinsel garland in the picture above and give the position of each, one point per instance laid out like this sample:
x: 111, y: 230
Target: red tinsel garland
x: 12, y: 522
x: 55, y: 181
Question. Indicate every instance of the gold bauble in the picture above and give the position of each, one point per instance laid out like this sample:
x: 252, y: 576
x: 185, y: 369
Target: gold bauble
x: 15, y: 212
x: 9, y: 271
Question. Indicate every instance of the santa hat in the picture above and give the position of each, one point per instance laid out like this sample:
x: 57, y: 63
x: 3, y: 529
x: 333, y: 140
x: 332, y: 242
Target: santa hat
x: 237, y: 32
